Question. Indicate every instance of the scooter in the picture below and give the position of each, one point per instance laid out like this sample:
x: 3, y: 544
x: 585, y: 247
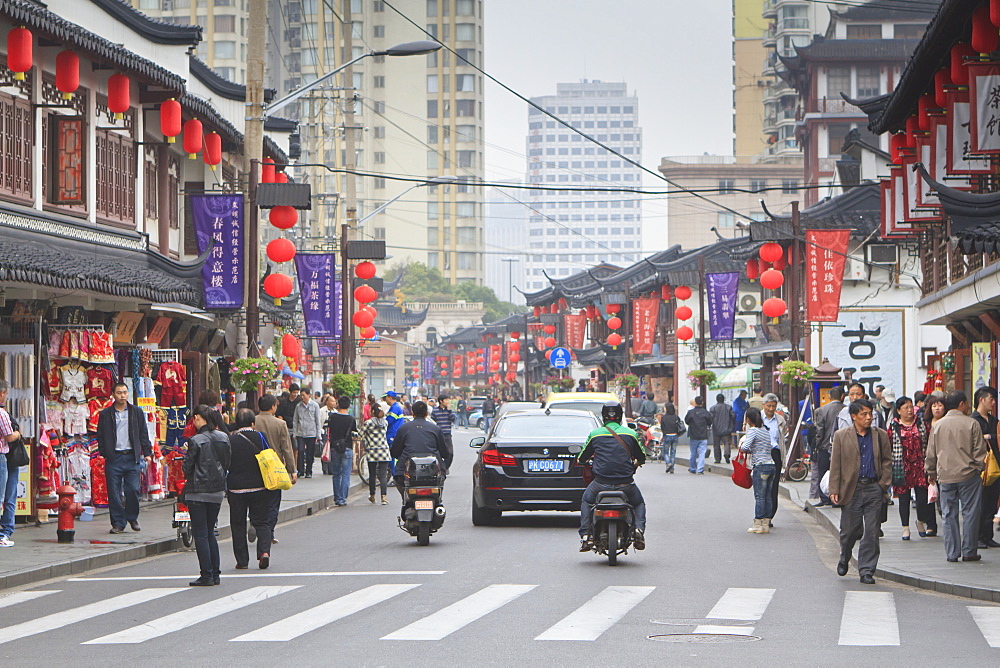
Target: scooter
x: 182, y: 520
x: 423, y: 512
x: 613, y: 523
x: 651, y: 438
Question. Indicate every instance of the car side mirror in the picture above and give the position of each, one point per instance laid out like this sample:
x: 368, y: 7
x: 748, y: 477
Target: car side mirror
x: 477, y: 442
x: 574, y: 449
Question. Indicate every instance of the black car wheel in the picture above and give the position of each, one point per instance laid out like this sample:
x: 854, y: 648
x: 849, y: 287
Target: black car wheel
x: 479, y: 423
x: 483, y: 517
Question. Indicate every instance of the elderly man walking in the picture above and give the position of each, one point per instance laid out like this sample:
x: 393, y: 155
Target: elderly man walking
x: 956, y: 451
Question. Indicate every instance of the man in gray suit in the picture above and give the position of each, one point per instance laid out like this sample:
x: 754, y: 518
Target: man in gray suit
x: 825, y: 421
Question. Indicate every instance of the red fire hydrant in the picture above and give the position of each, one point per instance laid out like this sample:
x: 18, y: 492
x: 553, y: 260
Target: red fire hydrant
x: 68, y: 510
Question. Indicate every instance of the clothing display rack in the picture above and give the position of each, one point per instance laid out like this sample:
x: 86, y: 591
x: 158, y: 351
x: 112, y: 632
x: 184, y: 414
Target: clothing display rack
x: 166, y: 355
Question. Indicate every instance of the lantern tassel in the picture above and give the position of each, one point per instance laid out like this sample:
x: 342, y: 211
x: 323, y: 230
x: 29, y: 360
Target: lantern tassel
x: 277, y: 301
x: 67, y: 96
x: 171, y: 140
x: 19, y: 76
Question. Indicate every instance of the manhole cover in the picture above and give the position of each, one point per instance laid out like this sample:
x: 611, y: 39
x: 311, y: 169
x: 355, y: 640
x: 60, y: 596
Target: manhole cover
x: 698, y: 621
x: 703, y: 637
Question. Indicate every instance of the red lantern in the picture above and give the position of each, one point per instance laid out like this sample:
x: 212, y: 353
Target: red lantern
x: 280, y: 250
x: 170, y: 120
x: 995, y: 12
x: 613, y: 308
x: 780, y: 264
x: 290, y: 346
x: 267, y: 171
x: 924, y: 105
x: 119, y: 94
x: 67, y: 73
x: 480, y: 368
x: 511, y: 376
x: 494, y: 367
x: 365, y: 270
x: 942, y: 79
x: 283, y: 217
x: 549, y: 342
x: 770, y: 252
x: 278, y: 286
x: 549, y: 329
x: 774, y: 307
x: 614, y: 322
x: 515, y: 335
x: 897, y: 145
x: 984, y: 33
x: 368, y: 333
x: 19, y: 58
x: 665, y: 292
x: 365, y: 294
x: 683, y: 313
x: 772, y: 279
x: 362, y: 319
x: 537, y: 311
x: 213, y: 149
x: 514, y: 359
x: 959, y: 72
x: 514, y: 346
x: 280, y: 177
x: 192, y: 138
x: 753, y: 269
x: 614, y: 339
x: 684, y: 333
x: 682, y: 292
x: 443, y: 373
x: 912, y: 130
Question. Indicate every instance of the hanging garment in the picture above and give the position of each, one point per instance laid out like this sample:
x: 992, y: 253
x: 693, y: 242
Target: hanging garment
x: 53, y: 414
x: 73, y: 380
x: 101, y: 348
x: 98, y: 482
x: 173, y: 384
x: 74, y: 343
x: 85, y: 345
x: 64, y: 345
x: 94, y: 407
x: 99, y: 383
x: 54, y: 381
x: 75, y: 418
x: 176, y: 422
x: 78, y: 471
x: 55, y: 338
x: 214, y: 379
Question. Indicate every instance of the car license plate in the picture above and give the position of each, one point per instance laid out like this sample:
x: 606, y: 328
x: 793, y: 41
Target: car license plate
x: 423, y: 504
x: 182, y: 516
x: 546, y: 466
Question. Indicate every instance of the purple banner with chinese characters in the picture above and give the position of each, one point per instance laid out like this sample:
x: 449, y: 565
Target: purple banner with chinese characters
x: 428, y: 368
x: 220, y: 217
x: 320, y: 292
x: 722, y: 293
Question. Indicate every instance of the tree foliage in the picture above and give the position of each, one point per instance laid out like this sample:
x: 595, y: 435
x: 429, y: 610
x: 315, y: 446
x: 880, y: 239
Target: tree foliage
x: 424, y: 284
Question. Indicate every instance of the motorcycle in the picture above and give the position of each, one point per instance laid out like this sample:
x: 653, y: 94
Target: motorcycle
x: 613, y: 522
x: 182, y: 520
x: 423, y: 512
x: 652, y: 437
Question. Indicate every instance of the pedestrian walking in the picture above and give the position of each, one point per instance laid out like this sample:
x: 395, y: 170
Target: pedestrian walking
x: 123, y: 441
x: 985, y: 399
x: 934, y: 409
x: 9, y: 433
x: 860, y: 476
x: 671, y: 427
x: 205, y: 467
x: 276, y: 432
x: 740, y: 406
x: 328, y: 405
x: 757, y: 441
x: 825, y: 421
x: 648, y: 408
x: 461, y: 410
x: 444, y: 418
x: 376, y: 453
x: 308, y: 428
x: 699, y: 422
x: 489, y: 411
x: 956, y: 451
x: 341, y: 429
x: 723, y: 426
x: 286, y: 407
x: 757, y: 399
x: 777, y: 425
x: 246, y: 492
x: 908, y: 437
x: 393, y: 416
x: 855, y: 391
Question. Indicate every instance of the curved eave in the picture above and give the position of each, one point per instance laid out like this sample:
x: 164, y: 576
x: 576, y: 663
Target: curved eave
x: 218, y: 84
x: 152, y: 29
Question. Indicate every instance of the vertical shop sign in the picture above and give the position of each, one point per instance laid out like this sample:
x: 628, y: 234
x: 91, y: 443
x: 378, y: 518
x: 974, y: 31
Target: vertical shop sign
x: 826, y: 252
x: 220, y: 217
x: 869, y: 345
x: 645, y: 314
x: 722, y: 291
x: 984, y: 93
x: 320, y: 293
x: 158, y: 330
x: 575, y: 327
x: 126, y: 324
x: 429, y: 368
x: 982, y: 365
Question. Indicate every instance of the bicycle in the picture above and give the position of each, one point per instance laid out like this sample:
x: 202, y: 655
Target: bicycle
x: 360, y: 463
x: 799, y: 469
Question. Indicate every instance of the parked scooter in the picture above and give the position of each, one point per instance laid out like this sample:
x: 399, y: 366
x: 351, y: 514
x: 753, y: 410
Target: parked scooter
x: 182, y: 519
x: 423, y: 512
x: 652, y: 437
x: 613, y: 523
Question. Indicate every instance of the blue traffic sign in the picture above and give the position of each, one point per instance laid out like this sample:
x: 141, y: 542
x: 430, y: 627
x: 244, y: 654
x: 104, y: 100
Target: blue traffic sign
x: 560, y: 358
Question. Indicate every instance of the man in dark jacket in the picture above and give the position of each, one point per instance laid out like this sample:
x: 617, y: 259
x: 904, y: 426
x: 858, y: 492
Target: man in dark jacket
x: 699, y: 422
x: 614, y: 467
x: 286, y: 408
x: 341, y: 428
x: 418, y: 438
x: 124, y: 443
x: 825, y: 422
x: 723, y: 426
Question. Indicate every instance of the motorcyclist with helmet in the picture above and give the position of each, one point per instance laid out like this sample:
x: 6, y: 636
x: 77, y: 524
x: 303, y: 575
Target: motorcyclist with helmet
x: 616, y: 452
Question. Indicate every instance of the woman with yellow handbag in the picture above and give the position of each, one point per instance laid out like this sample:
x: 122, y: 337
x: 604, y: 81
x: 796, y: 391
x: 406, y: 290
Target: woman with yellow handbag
x: 247, y: 491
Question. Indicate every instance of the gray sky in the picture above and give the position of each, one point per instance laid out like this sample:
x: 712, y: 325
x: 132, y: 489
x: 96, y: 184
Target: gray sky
x: 676, y: 55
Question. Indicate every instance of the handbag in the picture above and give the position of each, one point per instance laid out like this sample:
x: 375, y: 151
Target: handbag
x: 325, y: 457
x: 742, y: 474
x: 17, y: 454
x: 272, y: 469
x: 991, y: 469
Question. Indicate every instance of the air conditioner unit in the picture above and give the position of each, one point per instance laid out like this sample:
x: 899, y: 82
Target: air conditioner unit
x: 748, y: 302
x: 854, y: 269
x: 167, y: 5
x: 745, y: 327
x: 882, y: 253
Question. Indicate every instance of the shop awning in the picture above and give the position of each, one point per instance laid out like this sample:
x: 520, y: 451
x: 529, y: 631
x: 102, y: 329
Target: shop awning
x: 655, y: 361
x: 769, y: 348
x: 738, y: 377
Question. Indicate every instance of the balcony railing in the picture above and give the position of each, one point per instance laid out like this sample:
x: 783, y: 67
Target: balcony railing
x: 829, y: 105
x: 794, y: 23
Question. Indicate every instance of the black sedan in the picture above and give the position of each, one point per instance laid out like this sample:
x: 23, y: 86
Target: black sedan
x: 528, y: 462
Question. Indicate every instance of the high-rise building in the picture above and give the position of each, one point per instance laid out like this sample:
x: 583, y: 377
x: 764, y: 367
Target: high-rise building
x: 506, y: 224
x: 749, y: 83
x: 571, y: 230
x: 414, y: 117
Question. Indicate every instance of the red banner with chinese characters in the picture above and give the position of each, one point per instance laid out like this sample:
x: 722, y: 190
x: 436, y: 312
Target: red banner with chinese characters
x: 645, y: 312
x: 826, y: 252
x: 575, y: 327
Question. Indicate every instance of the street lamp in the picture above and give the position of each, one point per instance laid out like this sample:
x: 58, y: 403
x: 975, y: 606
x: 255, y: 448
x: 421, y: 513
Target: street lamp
x: 510, y: 279
x: 433, y: 181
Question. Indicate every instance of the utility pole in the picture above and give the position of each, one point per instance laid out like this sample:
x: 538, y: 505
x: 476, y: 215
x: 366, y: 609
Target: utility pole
x: 350, y: 194
x: 796, y: 276
x: 253, y: 153
x: 510, y: 280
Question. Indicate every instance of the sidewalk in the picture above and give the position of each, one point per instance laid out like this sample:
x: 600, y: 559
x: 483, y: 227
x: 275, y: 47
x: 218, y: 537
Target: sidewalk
x: 918, y: 562
x: 39, y: 556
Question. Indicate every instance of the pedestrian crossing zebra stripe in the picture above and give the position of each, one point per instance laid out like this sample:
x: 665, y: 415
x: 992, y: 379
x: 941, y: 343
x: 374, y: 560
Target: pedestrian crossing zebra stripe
x: 191, y: 616
x: 988, y: 621
x: 742, y: 604
x: 446, y: 621
x: 597, y: 615
x: 869, y: 619
x: 22, y: 596
x: 229, y: 576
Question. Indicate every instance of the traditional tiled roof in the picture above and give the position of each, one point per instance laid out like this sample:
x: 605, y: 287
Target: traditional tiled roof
x: 152, y: 29
x: 823, y: 50
x: 50, y: 25
x: 391, y: 316
x: 465, y: 336
x: 975, y: 217
x: 206, y: 111
x: 883, y: 10
x: 217, y: 83
x: 859, y: 210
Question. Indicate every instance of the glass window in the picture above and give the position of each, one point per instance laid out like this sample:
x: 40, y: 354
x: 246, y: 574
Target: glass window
x: 466, y: 158
x: 432, y: 160
x: 726, y: 219
x: 466, y: 132
x: 550, y: 426
x: 466, y: 56
x: 838, y: 80
x: 908, y: 31
x: 862, y: 31
x: 758, y: 184
x: 465, y: 8
x: 225, y: 23
x: 432, y: 209
x: 726, y: 186
x: 789, y: 186
x: 379, y: 31
x: 837, y: 134
x: 227, y: 49
x: 465, y: 107
x: 465, y: 32
x: 432, y: 134
x: 467, y: 260
x: 868, y: 81
x: 466, y: 210
x: 465, y: 83
x: 432, y: 83
x: 432, y: 108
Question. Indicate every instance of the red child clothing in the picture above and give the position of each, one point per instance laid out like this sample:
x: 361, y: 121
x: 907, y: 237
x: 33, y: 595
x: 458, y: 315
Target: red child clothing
x: 173, y: 381
x: 99, y: 383
x: 101, y: 351
x: 95, y: 406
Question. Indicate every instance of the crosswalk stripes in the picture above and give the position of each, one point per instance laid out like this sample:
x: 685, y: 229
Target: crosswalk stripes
x: 83, y: 613
x: 22, y: 596
x: 597, y: 615
x: 296, y: 625
x: 191, y: 616
x: 988, y: 621
x: 869, y: 619
x: 457, y: 615
x: 742, y: 604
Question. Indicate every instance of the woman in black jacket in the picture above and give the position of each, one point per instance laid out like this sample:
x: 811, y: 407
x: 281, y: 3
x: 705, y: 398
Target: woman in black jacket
x: 205, y: 466
x: 246, y: 492
x: 671, y: 427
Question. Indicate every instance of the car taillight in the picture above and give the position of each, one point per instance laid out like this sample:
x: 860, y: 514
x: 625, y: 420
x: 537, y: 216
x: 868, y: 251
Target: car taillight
x: 608, y: 513
x: 497, y: 458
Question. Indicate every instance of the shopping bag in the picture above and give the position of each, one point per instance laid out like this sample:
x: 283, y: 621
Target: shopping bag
x: 742, y: 475
x: 991, y: 469
x: 326, y: 453
x: 273, y: 470
x: 932, y: 492
x: 824, y: 484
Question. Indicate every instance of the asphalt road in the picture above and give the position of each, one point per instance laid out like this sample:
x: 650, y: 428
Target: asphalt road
x: 347, y: 587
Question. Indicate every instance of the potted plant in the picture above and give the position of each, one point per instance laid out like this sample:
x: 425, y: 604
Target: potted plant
x: 700, y: 378
x: 794, y: 373
x: 626, y: 381
x: 249, y: 372
x: 346, y: 384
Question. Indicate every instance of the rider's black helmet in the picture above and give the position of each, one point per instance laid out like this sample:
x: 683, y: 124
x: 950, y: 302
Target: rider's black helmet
x: 612, y: 412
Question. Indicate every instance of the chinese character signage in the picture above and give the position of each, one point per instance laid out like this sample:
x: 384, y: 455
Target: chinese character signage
x: 429, y: 368
x: 220, y: 217
x: 826, y: 252
x: 645, y: 313
x: 984, y: 94
x: 869, y: 345
x: 722, y: 291
x: 575, y: 327
x: 320, y: 293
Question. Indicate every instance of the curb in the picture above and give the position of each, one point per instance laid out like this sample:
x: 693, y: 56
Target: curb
x: 151, y: 549
x: 891, y: 574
